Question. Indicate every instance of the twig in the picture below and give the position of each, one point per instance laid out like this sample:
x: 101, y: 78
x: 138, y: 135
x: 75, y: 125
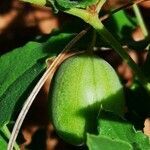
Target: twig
x: 140, y: 19
x: 125, y: 6
x: 48, y: 74
x: 129, y: 4
x: 99, y: 5
x: 7, y: 134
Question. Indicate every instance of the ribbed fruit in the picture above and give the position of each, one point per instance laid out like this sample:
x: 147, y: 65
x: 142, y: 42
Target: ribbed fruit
x: 82, y: 85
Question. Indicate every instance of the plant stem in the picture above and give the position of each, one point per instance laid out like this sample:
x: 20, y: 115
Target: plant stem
x: 100, y: 5
x: 92, y: 43
x: 94, y: 21
x: 140, y: 19
x: 7, y: 133
x: 107, y: 36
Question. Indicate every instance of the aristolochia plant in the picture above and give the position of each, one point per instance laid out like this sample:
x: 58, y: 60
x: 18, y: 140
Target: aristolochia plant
x: 86, y: 98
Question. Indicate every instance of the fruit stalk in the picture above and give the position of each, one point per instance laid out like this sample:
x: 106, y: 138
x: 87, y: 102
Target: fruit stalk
x: 93, y: 19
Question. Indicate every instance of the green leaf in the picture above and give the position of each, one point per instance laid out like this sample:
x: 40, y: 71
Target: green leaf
x: 124, y: 21
x: 5, y: 136
x: 66, y: 4
x: 114, y: 127
x: 37, y: 2
x: 121, y: 24
x: 20, y: 69
x: 13, y: 98
x: 15, y: 63
x: 105, y: 143
x: 3, y: 143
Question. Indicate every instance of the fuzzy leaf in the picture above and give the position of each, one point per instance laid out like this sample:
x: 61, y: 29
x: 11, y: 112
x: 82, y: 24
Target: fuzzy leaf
x: 67, y: 4
x: 114, y: 127
x: 102, y: 142
x: 20, y: 69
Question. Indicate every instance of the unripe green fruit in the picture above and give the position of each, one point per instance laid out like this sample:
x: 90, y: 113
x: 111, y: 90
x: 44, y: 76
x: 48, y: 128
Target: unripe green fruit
x: 82, y: 84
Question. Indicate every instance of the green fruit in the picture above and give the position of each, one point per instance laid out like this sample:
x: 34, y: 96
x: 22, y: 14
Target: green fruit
x: 83, y: 84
